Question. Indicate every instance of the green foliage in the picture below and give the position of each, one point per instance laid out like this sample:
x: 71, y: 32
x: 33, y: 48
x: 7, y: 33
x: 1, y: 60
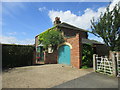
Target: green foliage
x: 87, y: 55
x: 107, y: 27
x: 85, y: 67
x: 16, y: 55
x: 51, y: 37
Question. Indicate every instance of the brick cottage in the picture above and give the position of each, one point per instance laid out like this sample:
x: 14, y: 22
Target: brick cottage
x: 69, y: 52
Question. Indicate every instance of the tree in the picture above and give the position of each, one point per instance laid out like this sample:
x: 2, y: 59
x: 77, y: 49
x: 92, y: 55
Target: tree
x: 108, y: 27
x: 51, y: 37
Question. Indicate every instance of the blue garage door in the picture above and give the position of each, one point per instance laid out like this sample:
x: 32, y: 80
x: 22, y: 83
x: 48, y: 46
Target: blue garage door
x: 64, y: 55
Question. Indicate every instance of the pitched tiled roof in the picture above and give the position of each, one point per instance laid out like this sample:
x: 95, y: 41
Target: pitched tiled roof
x: 66, y: 25
x: 87, y: 41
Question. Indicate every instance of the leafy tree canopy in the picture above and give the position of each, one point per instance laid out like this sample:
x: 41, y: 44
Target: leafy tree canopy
x: 51, y: 37
x: 108, y: 27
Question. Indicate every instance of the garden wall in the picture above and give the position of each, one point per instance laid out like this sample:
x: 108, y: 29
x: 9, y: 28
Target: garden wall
x: 51, y: 58
x: 17, y: 55
x: 101, y: 49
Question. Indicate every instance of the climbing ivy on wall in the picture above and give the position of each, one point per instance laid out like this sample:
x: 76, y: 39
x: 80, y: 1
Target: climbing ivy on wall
x: 87, y: 55
x: 51, y: 37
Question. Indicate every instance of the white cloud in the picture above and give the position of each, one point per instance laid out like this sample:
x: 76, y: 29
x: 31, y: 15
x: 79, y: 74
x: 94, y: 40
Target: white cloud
x: 14, y: 40
x: 15, y: 33
x: 92, y: 37
x: 114, y: 3
x: 97, y: 39
x: 27, y: 42
x: 42, y: 9
x: 12, y: 33
x: 82, y: 21
x: 7, y: 40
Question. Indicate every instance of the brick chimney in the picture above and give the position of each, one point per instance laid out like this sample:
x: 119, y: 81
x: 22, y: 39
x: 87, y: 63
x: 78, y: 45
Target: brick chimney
x: 57, y: 21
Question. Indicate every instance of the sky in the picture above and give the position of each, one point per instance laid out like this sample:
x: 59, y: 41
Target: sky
x: 22, y: 21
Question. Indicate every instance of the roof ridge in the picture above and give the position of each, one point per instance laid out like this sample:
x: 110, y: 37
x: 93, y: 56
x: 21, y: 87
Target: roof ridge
x: 73, y: 26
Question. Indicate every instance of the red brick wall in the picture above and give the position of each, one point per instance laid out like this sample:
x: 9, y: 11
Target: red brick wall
x: 36, y: 41
x: 74, y: 38
x: 51, y: 58
x: 75, y: 51
x: 76, y: 56
x: 70, y: 33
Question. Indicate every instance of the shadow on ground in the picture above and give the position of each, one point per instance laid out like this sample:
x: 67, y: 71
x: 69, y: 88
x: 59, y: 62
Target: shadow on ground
x: 92, y: 80
x: 7, y: 69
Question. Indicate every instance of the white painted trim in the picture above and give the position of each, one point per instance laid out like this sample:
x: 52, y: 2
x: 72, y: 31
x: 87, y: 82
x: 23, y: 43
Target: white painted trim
x: 65, y: 43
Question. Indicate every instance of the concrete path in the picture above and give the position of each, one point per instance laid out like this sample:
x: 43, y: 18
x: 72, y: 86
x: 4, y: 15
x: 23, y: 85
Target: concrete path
x: 44, y: 76
x: 91, y: 80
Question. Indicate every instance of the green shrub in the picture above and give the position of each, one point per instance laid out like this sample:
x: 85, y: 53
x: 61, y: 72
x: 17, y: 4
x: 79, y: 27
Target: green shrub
x: 17, y: 55
x: 84, y: 67
x: 87, y: 55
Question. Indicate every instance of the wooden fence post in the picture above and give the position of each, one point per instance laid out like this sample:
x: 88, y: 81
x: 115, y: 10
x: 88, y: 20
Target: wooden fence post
x: 94, y: 62
x: 114, y: 64
x: 118, y: 64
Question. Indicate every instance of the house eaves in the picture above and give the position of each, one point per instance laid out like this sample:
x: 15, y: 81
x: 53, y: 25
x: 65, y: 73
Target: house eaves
x: 65, y: 25
x: 91, y: 42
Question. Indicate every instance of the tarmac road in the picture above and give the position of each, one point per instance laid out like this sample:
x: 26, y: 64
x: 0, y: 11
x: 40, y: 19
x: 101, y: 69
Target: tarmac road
x: 91, y: 80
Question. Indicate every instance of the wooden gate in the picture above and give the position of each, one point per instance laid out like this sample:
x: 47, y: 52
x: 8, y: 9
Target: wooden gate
x: 104, y: 65
x: 110, y: 66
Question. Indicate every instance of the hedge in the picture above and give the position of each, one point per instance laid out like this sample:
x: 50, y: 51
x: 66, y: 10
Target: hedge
x: 17, y: 55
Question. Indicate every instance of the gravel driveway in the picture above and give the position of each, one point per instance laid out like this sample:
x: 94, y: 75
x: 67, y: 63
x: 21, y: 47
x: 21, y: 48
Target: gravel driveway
x: 43, y: 76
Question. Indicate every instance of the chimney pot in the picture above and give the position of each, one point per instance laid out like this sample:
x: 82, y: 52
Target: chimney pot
x: 57, y: 20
